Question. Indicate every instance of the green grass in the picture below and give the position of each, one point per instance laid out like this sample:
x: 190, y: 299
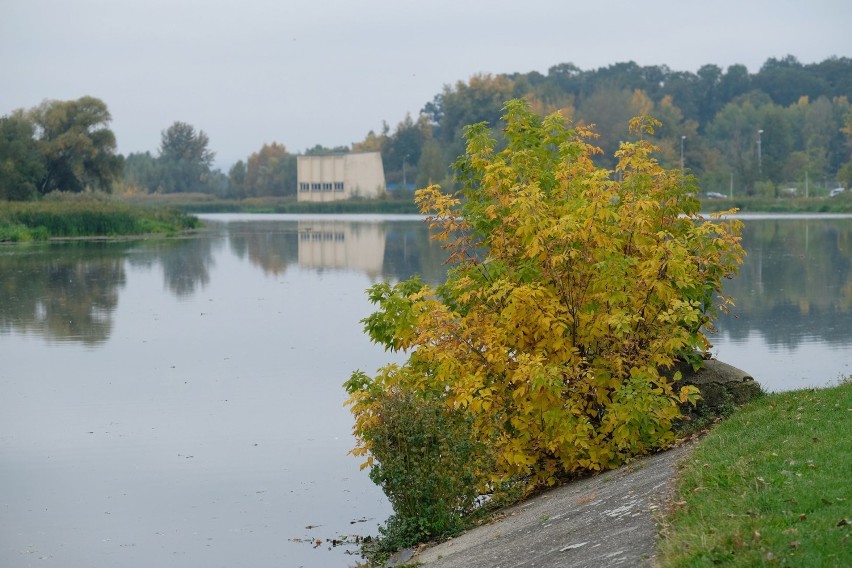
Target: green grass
x: 403, y: 204
x: 203, y: 203
x: 86, y: 216
x: 840, y: 204
x: 770, y: 486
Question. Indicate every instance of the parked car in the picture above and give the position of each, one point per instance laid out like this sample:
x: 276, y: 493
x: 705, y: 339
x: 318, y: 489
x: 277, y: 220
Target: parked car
x: 836, y: 191
x: 715, y: 195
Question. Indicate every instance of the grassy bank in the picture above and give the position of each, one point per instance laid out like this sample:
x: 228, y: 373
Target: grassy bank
x: 203, y: 203
x: 768, y: 486
x: 839, y: 204
x: 86, y: 216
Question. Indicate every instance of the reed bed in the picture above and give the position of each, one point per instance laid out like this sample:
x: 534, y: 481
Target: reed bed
x: 70, y: 217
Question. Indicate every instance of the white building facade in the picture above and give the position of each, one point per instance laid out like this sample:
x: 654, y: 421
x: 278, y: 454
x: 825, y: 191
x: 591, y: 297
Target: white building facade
x: 340, y: 176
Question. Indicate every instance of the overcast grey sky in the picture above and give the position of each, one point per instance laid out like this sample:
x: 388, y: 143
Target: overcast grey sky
x: 306, y: 72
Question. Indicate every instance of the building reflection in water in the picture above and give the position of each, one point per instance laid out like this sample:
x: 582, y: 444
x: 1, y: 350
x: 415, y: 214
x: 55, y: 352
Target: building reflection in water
x: 342, y: 244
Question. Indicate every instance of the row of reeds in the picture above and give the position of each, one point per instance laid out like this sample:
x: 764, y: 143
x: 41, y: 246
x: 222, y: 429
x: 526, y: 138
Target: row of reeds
x: 87, y: 216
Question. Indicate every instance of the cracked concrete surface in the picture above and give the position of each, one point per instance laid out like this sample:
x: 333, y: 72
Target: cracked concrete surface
x: 606, y: 520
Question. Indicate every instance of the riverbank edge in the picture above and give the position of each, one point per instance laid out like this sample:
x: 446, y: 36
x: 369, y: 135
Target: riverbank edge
x: 608, y: 518
x: 204, y: 203
x: 90, y: 218
x: 471, y: 549
x: 767, y: 485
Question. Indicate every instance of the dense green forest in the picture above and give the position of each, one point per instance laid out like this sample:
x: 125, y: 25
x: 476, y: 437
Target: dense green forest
x: 784, y: 130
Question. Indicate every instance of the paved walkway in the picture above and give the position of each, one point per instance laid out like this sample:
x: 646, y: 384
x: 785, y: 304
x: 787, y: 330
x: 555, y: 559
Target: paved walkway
x: 606, y: 520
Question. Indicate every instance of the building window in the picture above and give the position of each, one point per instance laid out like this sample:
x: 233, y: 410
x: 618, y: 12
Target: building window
x: 316, y: 187
x: 304, y: 186
x: 338, y: 186
x: 326, y: 187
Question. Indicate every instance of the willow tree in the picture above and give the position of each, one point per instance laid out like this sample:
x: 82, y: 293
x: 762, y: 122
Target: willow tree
x: 78, y: 148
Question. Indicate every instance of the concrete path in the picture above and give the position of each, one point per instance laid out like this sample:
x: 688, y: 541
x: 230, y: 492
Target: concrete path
x: 606, y: 520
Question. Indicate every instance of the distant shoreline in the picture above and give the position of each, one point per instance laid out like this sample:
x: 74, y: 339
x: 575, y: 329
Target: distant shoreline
x: 203, y: 203
x: 87, y: 217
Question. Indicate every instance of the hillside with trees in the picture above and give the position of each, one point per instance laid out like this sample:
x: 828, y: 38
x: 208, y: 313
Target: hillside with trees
x: 759, y: 132
x: 789, y: 125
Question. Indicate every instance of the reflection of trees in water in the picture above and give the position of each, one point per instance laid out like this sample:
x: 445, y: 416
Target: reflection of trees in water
x: 796, y: 282
x: 186, y: 264
x: 409, y: 251
x: 275, y: 245
x: 786, y: 325
x: 795, y: 285
x: 271, y: 246
x: 64, y: 292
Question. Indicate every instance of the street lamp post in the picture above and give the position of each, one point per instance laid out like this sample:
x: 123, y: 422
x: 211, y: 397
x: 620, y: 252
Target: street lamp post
x: 404, y: 181
x: 759, y: 164
x: 682, y: 139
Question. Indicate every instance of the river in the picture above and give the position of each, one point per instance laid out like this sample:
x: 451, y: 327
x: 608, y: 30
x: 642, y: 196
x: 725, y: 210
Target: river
x: 179, y: 402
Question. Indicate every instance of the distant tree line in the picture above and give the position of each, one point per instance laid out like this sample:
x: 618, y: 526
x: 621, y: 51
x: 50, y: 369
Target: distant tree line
x: 183, y: 164
x: 785, y: 124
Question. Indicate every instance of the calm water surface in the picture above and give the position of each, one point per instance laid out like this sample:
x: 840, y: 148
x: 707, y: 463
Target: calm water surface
x: 792, y: 324
x: 179, y: 403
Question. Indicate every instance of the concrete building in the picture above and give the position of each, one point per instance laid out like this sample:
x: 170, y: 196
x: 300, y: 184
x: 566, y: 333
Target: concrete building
x: 340, y: 176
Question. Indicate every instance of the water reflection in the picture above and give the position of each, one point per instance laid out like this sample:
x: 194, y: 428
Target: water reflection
x: 188, y: 410
x: 390, y: 249
x: 62, y: 292
x: 68, y: 291
x: 796, y: 283
x: 186, y: 264
x: 270, y: 246
x: 341, y: 244
x: 408, y: 251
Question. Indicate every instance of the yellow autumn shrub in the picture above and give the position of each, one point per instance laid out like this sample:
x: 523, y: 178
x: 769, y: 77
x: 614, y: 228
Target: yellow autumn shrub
x: 571, y: 287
